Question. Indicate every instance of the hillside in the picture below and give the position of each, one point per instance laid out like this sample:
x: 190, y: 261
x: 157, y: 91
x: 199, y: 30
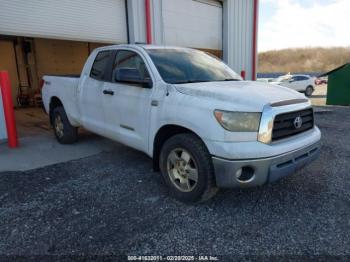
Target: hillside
x: 303, y: 59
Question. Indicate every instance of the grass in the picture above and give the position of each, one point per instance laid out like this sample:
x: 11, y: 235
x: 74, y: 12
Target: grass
x: 303, y: 59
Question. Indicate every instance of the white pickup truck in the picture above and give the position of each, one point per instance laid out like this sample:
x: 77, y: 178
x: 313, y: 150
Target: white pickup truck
x: 203, y: 126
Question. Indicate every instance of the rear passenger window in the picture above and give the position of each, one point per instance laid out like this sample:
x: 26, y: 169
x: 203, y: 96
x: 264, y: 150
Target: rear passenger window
x: 99, y: 67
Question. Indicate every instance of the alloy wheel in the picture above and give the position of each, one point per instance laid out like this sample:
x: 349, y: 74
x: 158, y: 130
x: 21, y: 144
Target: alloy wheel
x: 182, y: 170
x: 59, y: 127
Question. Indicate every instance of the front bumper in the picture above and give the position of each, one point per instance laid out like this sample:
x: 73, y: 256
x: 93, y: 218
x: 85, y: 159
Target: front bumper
x: 265, y: 170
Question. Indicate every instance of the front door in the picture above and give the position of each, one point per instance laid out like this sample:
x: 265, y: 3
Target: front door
x: 290, y: 83
x: 127, y: 102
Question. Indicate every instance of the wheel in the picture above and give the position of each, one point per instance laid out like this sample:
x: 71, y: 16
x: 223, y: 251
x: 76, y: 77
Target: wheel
x: 308, y: 91
x: 187, y: 168
x: 64, y: 131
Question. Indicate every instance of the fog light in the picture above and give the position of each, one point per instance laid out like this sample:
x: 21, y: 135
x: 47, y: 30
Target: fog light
x: 245, y: 174
x: 239, y: 173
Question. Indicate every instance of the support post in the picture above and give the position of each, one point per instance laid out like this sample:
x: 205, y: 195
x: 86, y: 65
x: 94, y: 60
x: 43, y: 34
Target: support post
x: 255, y: 37
x: 148, y: 21
x: 243, y: 74
x: 9, y: 114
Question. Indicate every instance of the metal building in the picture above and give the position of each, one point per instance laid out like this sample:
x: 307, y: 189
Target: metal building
x: 55, y: 37
x: 338, y: 89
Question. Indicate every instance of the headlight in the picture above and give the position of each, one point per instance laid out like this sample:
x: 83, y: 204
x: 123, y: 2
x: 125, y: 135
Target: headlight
x: 238, y: 121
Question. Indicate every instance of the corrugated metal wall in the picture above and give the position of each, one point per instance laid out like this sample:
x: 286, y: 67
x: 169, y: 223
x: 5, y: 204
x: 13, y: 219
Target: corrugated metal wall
x: 84, y: 20
x: 193, y: 23
x: 238, y: 35
x: 183, y: 23
x: 137, y: 18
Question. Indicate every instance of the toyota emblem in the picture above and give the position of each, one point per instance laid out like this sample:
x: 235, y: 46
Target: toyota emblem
x: 298, y: 122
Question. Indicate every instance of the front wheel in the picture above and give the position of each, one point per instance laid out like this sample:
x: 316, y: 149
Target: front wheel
x: 187, y: 168
x: 308, y: 91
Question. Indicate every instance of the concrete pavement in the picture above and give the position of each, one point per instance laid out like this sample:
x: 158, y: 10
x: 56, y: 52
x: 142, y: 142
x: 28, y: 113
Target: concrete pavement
x: 39, y: 148
x: 44, y: 150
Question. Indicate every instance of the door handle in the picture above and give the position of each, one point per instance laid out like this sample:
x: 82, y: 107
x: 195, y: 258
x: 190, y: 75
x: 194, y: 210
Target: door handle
x: 108, y: 92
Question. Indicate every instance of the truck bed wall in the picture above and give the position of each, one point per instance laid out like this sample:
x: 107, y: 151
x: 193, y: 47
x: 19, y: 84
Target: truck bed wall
x: 66, y: 90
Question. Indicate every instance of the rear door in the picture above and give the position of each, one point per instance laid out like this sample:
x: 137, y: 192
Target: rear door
x: 127, y: 105
x: 305, y: 81
x: 91, y: 93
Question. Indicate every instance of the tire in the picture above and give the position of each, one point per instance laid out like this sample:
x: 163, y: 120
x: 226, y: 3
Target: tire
x: 65, y: 133
x: 190, y: 147
x: 308, y: 91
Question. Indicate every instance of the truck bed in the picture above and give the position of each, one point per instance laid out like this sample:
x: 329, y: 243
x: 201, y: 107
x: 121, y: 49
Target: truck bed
x: 65, y: 88
x: 70, y: 76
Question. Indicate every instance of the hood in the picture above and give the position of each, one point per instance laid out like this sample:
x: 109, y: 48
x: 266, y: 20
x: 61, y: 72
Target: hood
x: 253, y: 95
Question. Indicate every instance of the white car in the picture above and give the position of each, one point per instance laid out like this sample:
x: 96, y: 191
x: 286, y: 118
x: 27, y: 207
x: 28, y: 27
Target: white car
x: 203, y: 126
x: 300, y: 83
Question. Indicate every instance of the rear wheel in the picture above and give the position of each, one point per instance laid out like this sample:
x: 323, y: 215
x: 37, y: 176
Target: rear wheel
x: 64, y: 131
x: 308, y: 91
x: 187, y: 168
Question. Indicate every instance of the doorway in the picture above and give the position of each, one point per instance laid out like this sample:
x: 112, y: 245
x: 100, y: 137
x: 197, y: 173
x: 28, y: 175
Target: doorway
x: 8, y: 63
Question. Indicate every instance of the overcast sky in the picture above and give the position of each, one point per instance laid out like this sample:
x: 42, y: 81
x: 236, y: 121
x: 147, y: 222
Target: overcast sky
x: 303, y: 23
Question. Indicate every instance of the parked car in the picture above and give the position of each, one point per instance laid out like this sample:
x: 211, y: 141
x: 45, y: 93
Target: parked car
x: 321, y: 81
x: 300, y: 83
x: 203, y: 126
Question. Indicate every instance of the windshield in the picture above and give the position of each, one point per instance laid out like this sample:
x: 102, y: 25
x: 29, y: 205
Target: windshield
x: 179, y: 66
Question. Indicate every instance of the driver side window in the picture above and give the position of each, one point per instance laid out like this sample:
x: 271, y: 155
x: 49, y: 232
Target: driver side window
x: 130, y: 63
x: 297, y: 78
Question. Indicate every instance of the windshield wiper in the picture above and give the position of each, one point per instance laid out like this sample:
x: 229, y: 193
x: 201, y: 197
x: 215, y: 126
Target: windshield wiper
x: 201, y: 81
x: 231, y: 79
x: 191, y: 81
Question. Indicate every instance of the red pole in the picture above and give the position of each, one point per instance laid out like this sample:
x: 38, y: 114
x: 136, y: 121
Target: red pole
x: 255, y: 37
x: 5, y: 87
x: 148, y: 21
x: 243, y: 74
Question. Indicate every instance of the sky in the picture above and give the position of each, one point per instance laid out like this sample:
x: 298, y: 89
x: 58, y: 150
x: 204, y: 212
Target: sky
x: 303, y: 23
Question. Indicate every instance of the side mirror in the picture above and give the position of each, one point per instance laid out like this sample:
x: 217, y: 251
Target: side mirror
x: 133, y: 76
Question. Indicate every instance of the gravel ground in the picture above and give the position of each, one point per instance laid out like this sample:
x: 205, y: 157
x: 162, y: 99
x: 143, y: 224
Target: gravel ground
x: 112, y: 203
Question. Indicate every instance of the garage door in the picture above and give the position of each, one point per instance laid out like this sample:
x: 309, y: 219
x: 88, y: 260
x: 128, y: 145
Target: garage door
x: 85, y: 20
x: 193, y: 23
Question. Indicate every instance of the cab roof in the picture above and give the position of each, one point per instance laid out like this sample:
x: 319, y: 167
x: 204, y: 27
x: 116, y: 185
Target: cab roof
x: 144, y: 46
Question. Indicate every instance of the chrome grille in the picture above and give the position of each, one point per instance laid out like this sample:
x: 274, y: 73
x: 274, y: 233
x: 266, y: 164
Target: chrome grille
x: 284, y: 124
